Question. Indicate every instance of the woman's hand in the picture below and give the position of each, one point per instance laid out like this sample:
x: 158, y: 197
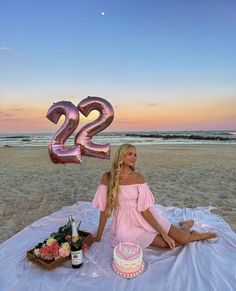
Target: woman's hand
x: 169, y: 241
x: 148, y: 216
x: 96, y: 238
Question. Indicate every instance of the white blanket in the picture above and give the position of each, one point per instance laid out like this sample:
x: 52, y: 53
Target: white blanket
x: 201, y: 266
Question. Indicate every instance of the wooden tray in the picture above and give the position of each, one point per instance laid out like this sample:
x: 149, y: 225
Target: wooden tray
x: 49, y: 265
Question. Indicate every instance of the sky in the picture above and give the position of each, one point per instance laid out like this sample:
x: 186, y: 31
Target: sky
x: 162, y: 64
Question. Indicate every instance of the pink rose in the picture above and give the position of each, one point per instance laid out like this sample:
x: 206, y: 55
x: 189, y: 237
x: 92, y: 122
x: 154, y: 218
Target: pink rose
x: 63, y: 252
x: 45, y: 252
x: 68, y: 237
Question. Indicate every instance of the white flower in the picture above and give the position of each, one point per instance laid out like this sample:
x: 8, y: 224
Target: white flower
x: 37, y: 252
x: 50, y: 241
x: 66, y: 246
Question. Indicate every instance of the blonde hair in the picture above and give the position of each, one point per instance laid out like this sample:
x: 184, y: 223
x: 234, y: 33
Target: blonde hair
x: 114, y: 177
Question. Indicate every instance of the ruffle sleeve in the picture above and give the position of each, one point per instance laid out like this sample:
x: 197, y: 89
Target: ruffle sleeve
x: 100, y: 198
x: 145, y: 197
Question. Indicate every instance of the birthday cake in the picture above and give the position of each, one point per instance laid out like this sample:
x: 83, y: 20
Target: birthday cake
x: 128, y: 259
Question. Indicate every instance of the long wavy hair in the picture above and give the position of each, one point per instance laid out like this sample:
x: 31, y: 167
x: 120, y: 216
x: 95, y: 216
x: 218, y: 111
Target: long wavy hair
x: 114, y: 177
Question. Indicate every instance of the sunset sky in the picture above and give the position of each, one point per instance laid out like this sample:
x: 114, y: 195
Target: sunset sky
x: 163, y: 65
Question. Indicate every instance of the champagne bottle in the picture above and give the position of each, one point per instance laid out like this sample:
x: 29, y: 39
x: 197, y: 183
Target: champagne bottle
x: 76, y: 247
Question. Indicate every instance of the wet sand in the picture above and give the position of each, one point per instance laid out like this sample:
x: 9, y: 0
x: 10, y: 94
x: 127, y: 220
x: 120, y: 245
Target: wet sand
x: 31, y: 186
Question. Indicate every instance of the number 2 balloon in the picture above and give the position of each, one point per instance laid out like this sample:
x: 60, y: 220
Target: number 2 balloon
x: 83, y: 144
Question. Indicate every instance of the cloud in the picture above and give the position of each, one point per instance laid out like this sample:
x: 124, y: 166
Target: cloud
x: 126, y: 120
x: 4, y: 49
x: 3, y: 114
x: 153, y: 104
x: 16, y: 109
x: 4, y: 119
x: 231, y: 116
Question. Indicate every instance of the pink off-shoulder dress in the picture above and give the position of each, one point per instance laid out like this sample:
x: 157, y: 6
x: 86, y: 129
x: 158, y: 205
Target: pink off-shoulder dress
x: 128, y: 224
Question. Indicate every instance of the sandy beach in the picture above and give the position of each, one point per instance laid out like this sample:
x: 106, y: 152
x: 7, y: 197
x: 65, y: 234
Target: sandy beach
x: 179, y: 175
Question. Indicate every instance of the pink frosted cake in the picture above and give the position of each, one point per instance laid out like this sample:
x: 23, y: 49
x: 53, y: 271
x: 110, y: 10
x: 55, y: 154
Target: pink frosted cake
x: 128, y: 259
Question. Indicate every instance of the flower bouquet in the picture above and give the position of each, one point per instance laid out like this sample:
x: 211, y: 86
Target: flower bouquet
x: 55, y: 250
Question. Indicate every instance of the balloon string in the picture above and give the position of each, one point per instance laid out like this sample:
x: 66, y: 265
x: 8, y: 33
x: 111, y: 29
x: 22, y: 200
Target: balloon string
x: 79, y: 183
x: 62, y: 177
x: 76, y: 194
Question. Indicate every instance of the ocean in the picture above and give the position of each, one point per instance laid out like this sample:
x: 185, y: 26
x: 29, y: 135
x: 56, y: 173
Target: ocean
x: 137, y: 138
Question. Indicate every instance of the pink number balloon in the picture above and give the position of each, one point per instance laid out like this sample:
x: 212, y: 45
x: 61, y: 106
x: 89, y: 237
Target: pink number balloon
x: 57, y: 151
x: 84, y: 136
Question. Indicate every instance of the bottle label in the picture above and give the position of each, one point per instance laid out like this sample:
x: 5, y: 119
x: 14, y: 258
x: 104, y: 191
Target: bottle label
x: 77, y: 257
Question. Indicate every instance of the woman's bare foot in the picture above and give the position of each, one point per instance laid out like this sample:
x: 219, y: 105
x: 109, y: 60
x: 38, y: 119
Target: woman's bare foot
x: 196, y: 236
x: 188, y: 223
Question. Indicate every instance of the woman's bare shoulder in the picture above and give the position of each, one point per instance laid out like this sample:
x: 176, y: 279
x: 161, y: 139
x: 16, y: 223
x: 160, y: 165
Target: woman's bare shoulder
x: 138, y: 178
x: 105, y: 178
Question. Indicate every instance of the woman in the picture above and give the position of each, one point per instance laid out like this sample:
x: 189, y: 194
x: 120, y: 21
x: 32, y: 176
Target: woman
x: 124, y: 194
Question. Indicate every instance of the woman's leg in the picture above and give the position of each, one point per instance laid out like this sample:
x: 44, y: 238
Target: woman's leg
x: 183, y: 232
x: 181, y: 236
x: 159, y: 242
x: 196, y: 236
x: 189, y: 223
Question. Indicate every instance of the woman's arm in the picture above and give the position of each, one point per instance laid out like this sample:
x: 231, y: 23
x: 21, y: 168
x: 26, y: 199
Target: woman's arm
x: 154, y: 223
x: 102, y: 223
x: 103, y: 217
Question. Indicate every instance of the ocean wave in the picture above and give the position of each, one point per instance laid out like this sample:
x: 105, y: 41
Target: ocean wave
x: 15, y: 137
x: 177, y: 136
x: 135, y: 137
